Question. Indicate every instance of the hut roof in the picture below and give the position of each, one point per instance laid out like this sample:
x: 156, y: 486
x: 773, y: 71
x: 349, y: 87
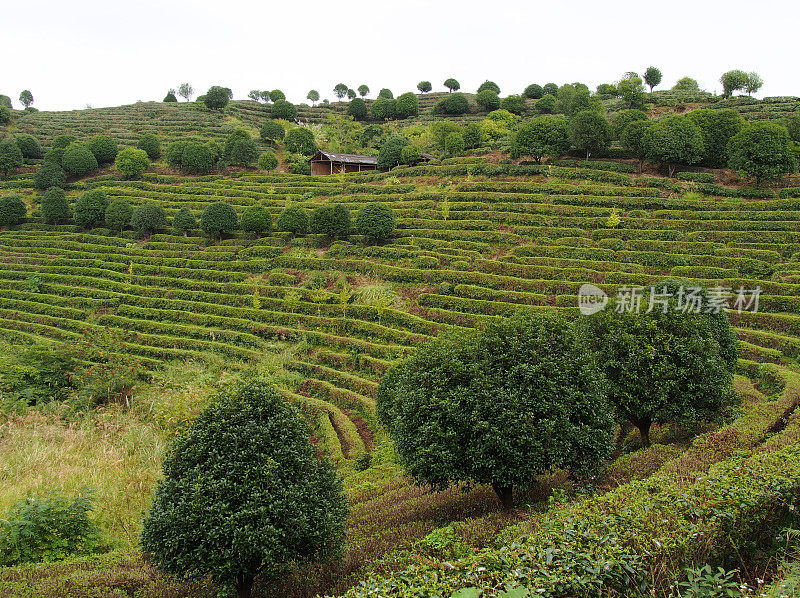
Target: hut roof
x: 346, y: 158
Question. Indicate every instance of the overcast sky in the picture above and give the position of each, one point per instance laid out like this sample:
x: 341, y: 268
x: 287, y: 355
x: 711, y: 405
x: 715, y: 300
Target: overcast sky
x: 106, y: 53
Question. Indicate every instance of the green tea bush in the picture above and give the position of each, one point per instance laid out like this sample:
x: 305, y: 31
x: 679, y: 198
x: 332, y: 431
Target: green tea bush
x: 272, y: 131
x: 300, y: 140
x: 284, y: 110
x: 546, y: 104
x: 118, y: 215
x: 29, y: 146
x: 357, y: 108
x: 174, y: 153
x: 454, y: 144
x: 762, y: 151
x: 132, y: 162
x: 218, y: 219
x: 488, y: 100
x: 151, y: 145
x: 383, y: 109
x: 10, y: 156
x: 48, y: 529
x: 406, y: 105
x: 256, y: 220
x: 149, y: 218
x: 293, y: 219
x: 54, y: 206
x: 63, y: 141
x: 542, y: 136
x: 696, y: 177
x: 196, y: 157
x: 299, y: 164
x: 514, y: 104
x: 240, y: 149
x: 78, y: 159
x: 12, y: 210
x: 473, y: 136
x: 410, y: 154
x: 90, y: 209
x: 375, y: 221
x: 184, y: 221
x: 268, y: 161
x: 391, y: 151
x: 621, y: 119
x: 332, y: 220
x: 454, y: 103
x: 54, y: 156
x: 534, y: 91
x: 104, y: 148
x: 5, y: 115
x: 216, y: 98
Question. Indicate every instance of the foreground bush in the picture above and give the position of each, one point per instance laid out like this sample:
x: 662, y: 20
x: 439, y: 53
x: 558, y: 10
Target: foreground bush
x: 293, y: 219
x: 217, y: 97
x: 132, y: 162
x: 184, y: 221
x: 49, y: 529
x: 90, y: 209
x: 151, y: 146
x: 149, y: 218
x: 268, y: 161
x: 12, y: 210
x: 272, y: 131
x: 455, y: 103
x: 49, y: 175
x: 391, y: 152
x: 10, y: 156
x: 219, y: 218
x: 542, y: 136
x: 244, y: 495
x: 762, y: 151
x: 300, y: 140
x: 256, y: 220
x: 104, y: 149
x: 29, y: 146
x: 284, y: 110
x: 499, y: 407
x: 78, y: 159
x: 54, y: 206
x: 375, y: 221
x: 240, y: 149
x: 118, y: 215
x: 331, y: 219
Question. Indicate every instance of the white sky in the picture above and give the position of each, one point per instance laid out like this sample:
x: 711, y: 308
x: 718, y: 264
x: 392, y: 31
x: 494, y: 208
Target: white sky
x: 111, y: 52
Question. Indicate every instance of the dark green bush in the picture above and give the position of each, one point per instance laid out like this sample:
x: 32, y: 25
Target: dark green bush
x: 268, y: 161
x: 118, y: 215
x: 12, y: 210
x: 184, y: 221
x: 54, y: 206
x: 240, y: 149
x: 622, y: 118
x: 357, y: 108
x: 717, y: 127
x: 391, y: 152
x: 383, y: 109
x: 10, y: 156
x: 218, y: 219
x: 244, y: 494
x: 170, y: 97
x: 514, y: 104
x: 762, y: 151
x: 454, y: 144
x: 272, y: 131
x: 542, y: 136
x: 299, y: 164
x: 489, y: 85
x: 132, y: 162
x: 331, y: 219
x: 386, y: 94
x: 546, y: 104
x: 406, y: 105
x: 488, y: 100
x: 473, y: 136
x: 104, y: 148
x: 452, y: 84
x: 424, y: 86
x: 5, y: 115
x: 78, y: 159
x: 410, y: 154
x: 455, y: 103
x: 90, y: 209
x: 300, y: 140
x: 29, y: 146
x: 63, y: 141
x: 590, y: 132
x: 533, y: 91
x: 375, y: 221
x: 256, y: 220
x: 216, y: 98
x: 293, y: 219
x: 283, y: 109
x: 149, y: 218
x: 196, y: 157
x: 151, y: 145
x: 276, y: 95
x: 55, y: 156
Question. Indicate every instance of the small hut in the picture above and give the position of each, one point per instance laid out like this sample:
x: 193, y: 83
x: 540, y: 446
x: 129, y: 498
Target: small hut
x: 330, y: 163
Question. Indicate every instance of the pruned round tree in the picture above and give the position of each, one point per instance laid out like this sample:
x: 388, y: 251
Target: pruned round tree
x: 452, y: 84
x: 272, y: 131
x: 520, y: 399
x: 54, y: 206
x: 652, y: 77
x: 488, y: 99
x: 386, y: 93
x: 363, y: 90
x: 357, y: 108
x: 293, y: 219
x: 632, y: 139
x: 674, y: 141
x: 410, y: 154
x: 244, y: 496
x: 424, y: 86
x: 456, y: 103
x: 276, y: 95
x: 90, y: 209
x: 12, y: 210
x: 216, y: 98
x: 590, y: 132
x: 383, y: 109
x: 118, y: 215
x: 666, y: 363
x: 29, y: 146
x: 49, y: 175
x: 149, y: 218
x: 542, y: 136
x: 78, y: 159
x: 256, y: 220
x: 268, y: 161
x: 717, y: 127
x: 406, y: 105
x: 515, y: 104
x: 331, y: 219
x: 534, y: 91
x: 762, y: 151
x: 184, y: 221
x: 300, y: 140
x: 151, y: 145
x: 622, y: 118
x: 104, y: 149
x: 283, y: 110
x: 218, y: 219
x: 10, y: 156
x: 491, y: 85
x: 376, y: 221
x: 240, y: 149
x: 132, y: 162
x: 391, y: 152
x: 454, y: 144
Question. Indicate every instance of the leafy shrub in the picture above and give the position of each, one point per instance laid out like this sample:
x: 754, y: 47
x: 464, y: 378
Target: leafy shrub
x: 357, y: 109
x: 216, y: 98
x: 10, y: 156
x: 375, y: 221
x: 697, y: 177
x: 454, y: 144
x: 132, y: 162
x: 590, y: 132
x: 90, y: 209
x: 283, y: 109
x: 63, y: 141
x: 196, y: 157
x: 300, y: 140
x: 174, y: 153
x: 219, y: 218
x: 391, y: 152
x: 514, y: 104
x: 293, y: 219
x: 494, y: 411
x: 268, y: 161
x: 12, y: 210
x: 54, y: 206
x: 542, y: 136
x: 149, y: 218
x: 78, y: 159
x: 103, y: 147
x: 386, y: 94
x: 452, y: 84
x: 118, y: 215
x: 533, y: 91
x: 48, y: 529
x: 424, y: 86
x: 762, y: 151
x: 151, y: 146
x: 489, y: 85
x: 240, y: 149
x: 717, y: 128
x: 170, y: 97
x: 473, y: 136
x: 331, y: 219
x: 184, y: 221
x: 455, y: 103
x: 673, y: 140
x: 410, y: 154
x: 54, y: 156
x: 546, y: 104
x: 206, y: 520
x: 383, y: 109
x: 488, y: 100
x: 5, y: 115
x: 406, y: 105
x: 49, y: 175
x: 272, y: 131
x: 256, y: 220
x: 29, y: 146
x: 299, y: 164
x: 622, y: 118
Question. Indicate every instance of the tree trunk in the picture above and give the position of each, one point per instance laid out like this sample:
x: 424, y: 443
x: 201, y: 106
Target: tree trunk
x: 644, y: 430
x: 505, y: 494
x: 244, y: 586
x: 587, y: 154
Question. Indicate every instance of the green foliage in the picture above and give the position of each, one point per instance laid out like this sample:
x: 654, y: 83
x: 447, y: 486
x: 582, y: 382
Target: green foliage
x: 473, y: 136
x: 455, y: 103
x: 118, y: 215
x: 148, y: 218
x: 406, y: 105
x: 195, y: 157
x: 652, y: 77
x: 575, y: 98
x: 632, y: 138
x: 686, y: 84
x: 174, y: 154
x: 90, y: 209
x: 216, y: 98
x: 340, y: 90
x: 762, y: 151
x: 534, y: 91
x: 132, y: 162
x: 375, y: 221
x: 704, y: 582
x: 383, y: 108
x: 283, y: 109
x: 313, y: 96
x: 54, y: 206
x: 499, y: 407
x: 293, y: 219
x: 78, y: 159
x: 244, y: 494
x: 170, y: 97
x: 184, y: 221
x: 218, y: 219
x: 607, y: 89
x: 717, y: 127
x: 10, y: 156
x: 386, y: 94
x: 546, y: 104
x: 49, y: 175
x: 793, y: 126
x: 5, y: 115
x: 542, y: 136
x: 240, y: 149
x: 300, y: 140
x: 186, y: 91
x: 299, y: 164
x: 491, y: 85
x: 620, y: 120
x: 331, y: 219
x: 631, y: 90
x: 674, y: 140
x: 12, y: 210
x: 452, y: 84
x: 104, y: 148
x: 363, y: 90
x: 151, y: 145
x: 590, y: 132
x: 488, y: 100
x: 256, y: 220
x: 26, y: 98
x: 514, y: 104
x: 733, y: 81
x: 277, y: 95
x: 391, y: 152
x: 29, y: 146
x: 424, y: 86
x: 357, y: 108
x: 454, y: 144
x: 268, y: 161
x: 48, y: 529
x: 273, y: 131
x: 63, y: 141
x: 410, y: 154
